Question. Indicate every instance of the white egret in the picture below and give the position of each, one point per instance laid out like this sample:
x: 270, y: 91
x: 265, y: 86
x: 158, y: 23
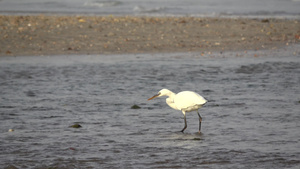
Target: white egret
x: 185, y: 101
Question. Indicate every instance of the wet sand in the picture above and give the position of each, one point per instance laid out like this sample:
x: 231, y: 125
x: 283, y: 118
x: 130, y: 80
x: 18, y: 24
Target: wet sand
x: 56, y: 35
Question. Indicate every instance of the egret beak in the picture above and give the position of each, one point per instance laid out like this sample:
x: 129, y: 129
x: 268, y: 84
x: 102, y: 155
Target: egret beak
x: 154, y: 96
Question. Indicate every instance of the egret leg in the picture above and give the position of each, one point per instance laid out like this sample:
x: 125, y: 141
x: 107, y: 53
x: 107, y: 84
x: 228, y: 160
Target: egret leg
x: 200, y: 120
x: 185, y: 125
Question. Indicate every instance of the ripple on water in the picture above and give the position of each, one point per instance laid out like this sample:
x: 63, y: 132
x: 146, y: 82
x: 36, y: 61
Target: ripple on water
x: 250, y: 121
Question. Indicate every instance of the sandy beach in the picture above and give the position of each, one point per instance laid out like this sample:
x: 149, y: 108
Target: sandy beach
x: 57, y: 35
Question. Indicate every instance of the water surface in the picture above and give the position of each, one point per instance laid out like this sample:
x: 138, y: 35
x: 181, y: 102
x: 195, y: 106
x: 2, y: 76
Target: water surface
x: 224, y: 8
x: 251, y: 119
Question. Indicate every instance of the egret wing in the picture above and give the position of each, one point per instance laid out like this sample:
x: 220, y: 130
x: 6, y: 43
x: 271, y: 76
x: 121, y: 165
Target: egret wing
x: 188, y: 99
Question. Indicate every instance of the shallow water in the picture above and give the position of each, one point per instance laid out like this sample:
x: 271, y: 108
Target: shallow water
x: 214, y: 8
x: 251, y: 119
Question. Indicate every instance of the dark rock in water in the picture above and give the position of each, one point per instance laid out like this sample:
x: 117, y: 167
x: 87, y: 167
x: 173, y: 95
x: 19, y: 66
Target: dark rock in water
x: 76, y: 126
x: 197, y: 138
x: 30, y: 93
x: 72, y: 148
x: 207, y: 91
x: 135, y: 107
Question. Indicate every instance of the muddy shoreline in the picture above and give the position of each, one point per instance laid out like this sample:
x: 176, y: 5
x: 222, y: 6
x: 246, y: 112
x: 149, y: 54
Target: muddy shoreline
x: 39, y: 35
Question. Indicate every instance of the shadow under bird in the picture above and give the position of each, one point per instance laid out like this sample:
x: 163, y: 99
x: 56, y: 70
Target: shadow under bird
x: 185, y: 101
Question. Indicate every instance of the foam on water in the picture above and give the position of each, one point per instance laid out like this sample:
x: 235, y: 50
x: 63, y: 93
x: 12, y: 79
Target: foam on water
x: 229, y: 8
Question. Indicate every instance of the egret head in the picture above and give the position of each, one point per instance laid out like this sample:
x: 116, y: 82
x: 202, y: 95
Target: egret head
x: 162, y: 92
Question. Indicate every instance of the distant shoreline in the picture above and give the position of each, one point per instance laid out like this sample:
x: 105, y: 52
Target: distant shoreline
x: 37, y: 35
